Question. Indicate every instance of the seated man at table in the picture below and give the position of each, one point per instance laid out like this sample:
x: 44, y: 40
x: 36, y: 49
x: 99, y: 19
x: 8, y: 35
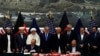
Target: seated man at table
x: 33, y: 47
x: 73, y: 48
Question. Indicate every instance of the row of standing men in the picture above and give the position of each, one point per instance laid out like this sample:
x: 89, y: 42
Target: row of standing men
x: 66, y: 42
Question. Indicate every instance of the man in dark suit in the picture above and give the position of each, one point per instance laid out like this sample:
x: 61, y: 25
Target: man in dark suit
x: 68, y: 35
x: 8, y: 41
x: 45, y: 40
x: 57, y: 41
x: 1, y: 43
x: 73, y: 48
x: 20, y: 40
x: 33, y: 47
x: 94, y: 40
x: 82, y: 40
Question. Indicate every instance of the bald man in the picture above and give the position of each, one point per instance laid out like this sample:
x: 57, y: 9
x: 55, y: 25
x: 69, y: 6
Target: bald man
x: 73, y: 48
x: 33, y: 47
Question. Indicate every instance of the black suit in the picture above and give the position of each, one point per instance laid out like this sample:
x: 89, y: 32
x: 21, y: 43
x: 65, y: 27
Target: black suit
x: 94, y: 41
x: 35, y: 47
x: 57, y: 42
x: 5, y: 42
x: 68, y: 38
x: 45, y: 43
x: 69, y: 48
x: 1, y: 43
x: 20, y: 42
x: 83, y: 42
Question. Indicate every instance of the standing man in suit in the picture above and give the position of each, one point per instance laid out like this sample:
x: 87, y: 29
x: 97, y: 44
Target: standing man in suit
x: 20, y: 40
x: 68, y: 35
x: 57, y: 41
x: 45, y: 40
x: 8, y: 41
x: 1, y: 43
x: 94, y: 40
x: 82, y: 40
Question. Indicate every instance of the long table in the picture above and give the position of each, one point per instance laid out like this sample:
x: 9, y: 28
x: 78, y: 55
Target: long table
x: 41, y: 54
x: 52, y: 54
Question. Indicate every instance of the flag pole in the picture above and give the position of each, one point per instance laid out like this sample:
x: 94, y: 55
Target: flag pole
x: 91, y: 14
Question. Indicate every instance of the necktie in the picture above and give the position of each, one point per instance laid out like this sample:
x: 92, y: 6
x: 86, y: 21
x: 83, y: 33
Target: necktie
x: 31, y: 47
x: 94, y: 35
x: 46, y: 36
x: 22, y: 36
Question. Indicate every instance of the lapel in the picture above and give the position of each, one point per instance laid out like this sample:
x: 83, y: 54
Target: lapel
x: 56, y: 35
x: 44, y: 36
x: 84, y: 36
x: 20, y: 37
x: 24, y: 36
x: 33, y: 47
x: 79, y: 37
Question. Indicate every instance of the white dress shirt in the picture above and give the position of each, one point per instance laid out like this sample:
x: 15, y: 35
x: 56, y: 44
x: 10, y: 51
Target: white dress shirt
x: 68, y: 32
x: 73, y: 49
x: 82, y: 35
x: 58, y: 36
x: 22, y: 36
x: 9, y: 45
x: 59, y: 49
x: 31, y: 36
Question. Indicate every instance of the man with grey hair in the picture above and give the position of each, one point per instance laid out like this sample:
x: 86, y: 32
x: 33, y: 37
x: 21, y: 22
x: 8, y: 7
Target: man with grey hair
x: 68, y: 35
x: 20, y: 40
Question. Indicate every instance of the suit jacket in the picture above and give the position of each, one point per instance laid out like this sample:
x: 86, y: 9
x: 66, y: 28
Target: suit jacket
x: 84, y: 42
x: 94, y: 41
x: 68, y: 39
x: 36, y: 48
x: 70, y: 48
x: 56, y: 43
x: 5, y: 42
x: 20, y: 43
x: 45, y: 44
x: 1, y: 43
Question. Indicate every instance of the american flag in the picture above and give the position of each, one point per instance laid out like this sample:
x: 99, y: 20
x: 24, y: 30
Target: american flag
x: 7, y: 23
x: 91, y: 24
x: 50, y: 24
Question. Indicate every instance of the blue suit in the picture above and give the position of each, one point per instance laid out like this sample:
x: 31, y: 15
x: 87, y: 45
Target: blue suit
x: 45, y: 42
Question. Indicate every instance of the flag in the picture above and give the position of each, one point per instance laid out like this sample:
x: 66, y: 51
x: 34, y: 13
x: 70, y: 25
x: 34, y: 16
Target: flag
x: 25, y: 29
x: 64, y: 21
x: 19, y: 23
x: 78, y: 26
x: 91, y: 24
x: 34, y: 25
x: 50, y: 24
x: 7, y: 23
